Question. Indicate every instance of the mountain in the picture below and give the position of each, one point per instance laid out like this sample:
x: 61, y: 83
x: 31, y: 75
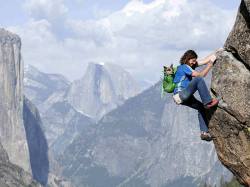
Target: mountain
x: 12, y: 132
x: 147, y: 141
x: 18, y: 122
x: 45, y: 90
x: 102, y: 88
x: 144, y: 84
x: 230, y: 122
x: 40, y: 86
x: 60, y: 122
x: 63, y: 123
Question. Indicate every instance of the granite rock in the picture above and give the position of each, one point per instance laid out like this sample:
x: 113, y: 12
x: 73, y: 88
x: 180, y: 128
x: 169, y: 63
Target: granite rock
x: 230, y: 122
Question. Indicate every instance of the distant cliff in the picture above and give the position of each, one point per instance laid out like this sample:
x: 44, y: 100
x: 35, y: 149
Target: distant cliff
x: 16, y: 149
x: 102, y: 88
x: 12, y: 131
x: 230, y: 123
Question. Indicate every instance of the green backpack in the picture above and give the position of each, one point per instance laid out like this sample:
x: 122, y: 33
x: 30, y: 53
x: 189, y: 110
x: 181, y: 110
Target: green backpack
x: 168, y: 77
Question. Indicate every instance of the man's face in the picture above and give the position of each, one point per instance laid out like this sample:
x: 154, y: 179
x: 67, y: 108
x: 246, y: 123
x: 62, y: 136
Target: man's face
x: 192, y: 62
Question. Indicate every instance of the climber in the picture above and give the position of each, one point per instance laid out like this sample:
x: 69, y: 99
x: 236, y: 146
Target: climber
x: 188, y: 81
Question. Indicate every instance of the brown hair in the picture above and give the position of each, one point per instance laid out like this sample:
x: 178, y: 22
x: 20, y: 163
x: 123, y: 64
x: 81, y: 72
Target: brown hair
x: 189, y: 54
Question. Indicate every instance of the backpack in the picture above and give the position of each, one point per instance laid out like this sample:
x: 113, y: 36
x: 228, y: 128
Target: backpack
x: 168, y: 77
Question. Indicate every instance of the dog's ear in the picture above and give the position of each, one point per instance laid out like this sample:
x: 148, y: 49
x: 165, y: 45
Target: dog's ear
x: 165, y: 70
x: 171, y: 66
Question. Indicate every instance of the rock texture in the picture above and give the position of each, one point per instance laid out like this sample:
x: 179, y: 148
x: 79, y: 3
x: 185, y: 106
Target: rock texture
x: 12, y: 132
x: 12, y: 175
x: 238, y: 41
x: 230, y: 122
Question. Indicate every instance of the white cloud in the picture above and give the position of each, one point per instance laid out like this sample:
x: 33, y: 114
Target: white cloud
x: 93, y: 31
x: 141, y: 37
x: 137, y: 6
x: 46, y: 9
x: 179, y: 29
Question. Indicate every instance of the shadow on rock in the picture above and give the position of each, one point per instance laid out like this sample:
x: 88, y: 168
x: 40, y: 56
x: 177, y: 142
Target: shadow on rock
x: 37, y: 143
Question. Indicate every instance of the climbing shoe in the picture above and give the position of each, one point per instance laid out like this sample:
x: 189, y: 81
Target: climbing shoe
x: 212, y: 103
x: 206, y: 136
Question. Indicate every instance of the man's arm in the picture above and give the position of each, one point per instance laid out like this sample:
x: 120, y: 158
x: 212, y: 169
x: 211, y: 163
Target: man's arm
x: 206, y: 60
x: 204, y: 72
x: 211, y: 57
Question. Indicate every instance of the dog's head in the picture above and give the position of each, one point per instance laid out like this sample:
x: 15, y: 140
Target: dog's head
x: 168, y: 70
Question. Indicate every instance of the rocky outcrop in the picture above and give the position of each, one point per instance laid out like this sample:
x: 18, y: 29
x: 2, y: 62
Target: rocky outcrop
x: 12, y: 132
x: 238, y: 41
x: 24, y: 151
x: 230, y: 122
x: 12, y: 175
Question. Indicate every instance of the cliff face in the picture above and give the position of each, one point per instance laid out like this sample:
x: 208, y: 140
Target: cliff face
x: 37, y: 143
x: 230, y: 122
x: 23, y: 148
x: 12, y: 132
x: 12, y: 175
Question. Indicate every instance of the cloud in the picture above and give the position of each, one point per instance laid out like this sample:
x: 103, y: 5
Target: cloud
x: 186, y: 24
x: 140, y: 37
x: 46, y: 9
x: 136, y: 6
x: 40, y: 46
x: 97, y: 32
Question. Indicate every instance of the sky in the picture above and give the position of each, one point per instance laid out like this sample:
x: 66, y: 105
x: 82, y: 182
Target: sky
x: 63, y: 36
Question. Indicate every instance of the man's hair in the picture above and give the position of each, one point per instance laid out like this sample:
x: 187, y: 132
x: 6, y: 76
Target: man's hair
x: 189, y: 54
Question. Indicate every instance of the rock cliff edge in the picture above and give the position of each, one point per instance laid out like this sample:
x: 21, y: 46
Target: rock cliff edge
x: 230, y: 122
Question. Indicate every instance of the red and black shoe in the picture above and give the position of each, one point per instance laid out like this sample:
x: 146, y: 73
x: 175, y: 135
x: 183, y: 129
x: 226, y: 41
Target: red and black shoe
x: 212, y: 103
x: 206, y: 136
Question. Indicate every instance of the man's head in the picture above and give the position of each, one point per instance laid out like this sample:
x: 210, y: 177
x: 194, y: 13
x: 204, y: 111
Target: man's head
x: 189, y: 58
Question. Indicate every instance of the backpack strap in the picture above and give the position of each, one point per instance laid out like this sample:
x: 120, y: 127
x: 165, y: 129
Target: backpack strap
x: 178, y: 85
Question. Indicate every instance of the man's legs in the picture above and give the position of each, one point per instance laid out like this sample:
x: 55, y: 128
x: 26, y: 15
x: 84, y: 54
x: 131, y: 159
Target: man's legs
x: 195, y: 104
x: 197, y: 83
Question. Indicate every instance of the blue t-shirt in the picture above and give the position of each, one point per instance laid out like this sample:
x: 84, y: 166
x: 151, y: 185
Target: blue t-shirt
x: 182, y: 78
